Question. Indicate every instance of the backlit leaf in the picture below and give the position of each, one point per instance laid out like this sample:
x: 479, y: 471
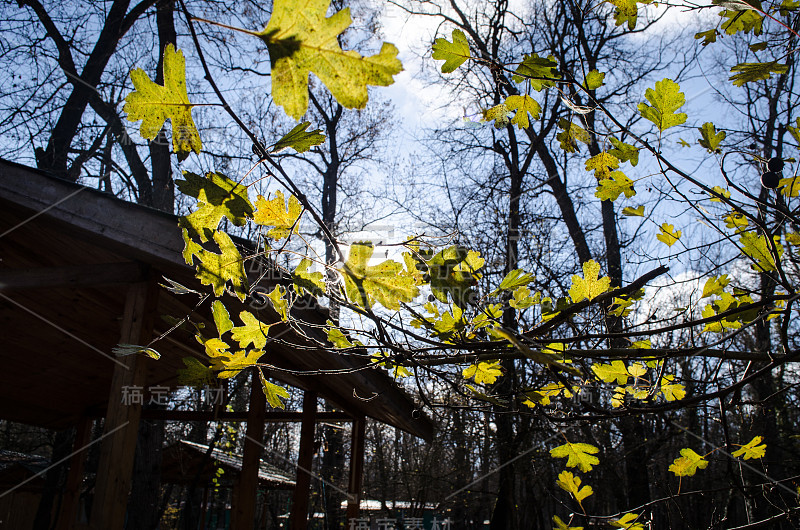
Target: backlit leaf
x: 313, y: 282
x: 710, y: 138
x: 523, y: 106
x: 572, y: 484
x: 741, y: 20
x: 753, y: 449
x: 664, y: 101
x: 483, y: 372
x: 790, y: 187
x: 215, y: 269
x: 154, y: 104
x: 715, y: 285
x: 301, y: 40
x: 633, y: 212
x: 688, y: 463
x: 602, y: 164
x: 275, y: 212
x: 499, y: 114
x: 578, y: 455
x: 616, y: 371
x: 571, y: 134
x: 300, y: 139
x: 561, y: 525
x: 221, y: 317
x: 628, y: 522
x: 720, y: 192
x: 217, y: 197
x: 616, y: 184
x: 626, y: 11
x: 668, y: 235
x: 252, y: 332
x: 195, y: 374
x: 750, y: 72
x: 452, y: 53
x: 230, y: 365
x: 273, y: 392
x: 594, y: 80
x: 514, y: 279
x: 279, y: 302
x: 387, y: 283
x: 590, y: 286
x: 708, y: 36
x: 624, y: 152
x: 672, y: 391
x: 538, y: 71
x: 756, y: 247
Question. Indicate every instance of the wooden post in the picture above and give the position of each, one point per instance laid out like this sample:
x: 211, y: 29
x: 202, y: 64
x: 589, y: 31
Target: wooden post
x: 68, y: 514
x: 302, y: 488
x: 356, y: 468
x: 244, y: 502
x: 122, y: 418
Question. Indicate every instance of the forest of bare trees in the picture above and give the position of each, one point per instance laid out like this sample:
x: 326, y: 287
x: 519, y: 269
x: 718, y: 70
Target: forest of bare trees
x: 466, y: 176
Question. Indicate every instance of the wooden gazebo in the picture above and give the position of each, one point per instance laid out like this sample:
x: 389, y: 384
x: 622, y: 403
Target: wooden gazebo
x: 79, y: 273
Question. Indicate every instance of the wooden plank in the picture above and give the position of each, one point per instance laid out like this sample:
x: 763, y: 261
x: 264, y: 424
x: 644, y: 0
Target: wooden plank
x: 72, y: 489
x: 356, y: 467
x: 146, y: 231
x: 70, y: 276
x: 122, y: 419
x: 268, y: 416
x: 244, y: 504
x: 302, y: 488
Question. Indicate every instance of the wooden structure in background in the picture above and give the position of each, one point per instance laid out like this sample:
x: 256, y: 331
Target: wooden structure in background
x: 78, y: 274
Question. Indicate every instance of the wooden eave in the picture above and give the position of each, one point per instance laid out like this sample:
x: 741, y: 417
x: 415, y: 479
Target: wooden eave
x: 64, y: 272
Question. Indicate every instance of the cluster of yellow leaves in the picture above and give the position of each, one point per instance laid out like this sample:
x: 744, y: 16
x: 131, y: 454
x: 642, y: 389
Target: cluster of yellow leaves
x: 618, y: 372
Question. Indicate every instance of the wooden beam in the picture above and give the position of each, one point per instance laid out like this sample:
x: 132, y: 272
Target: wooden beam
x: 122, y: 418
x: 356, y: 468
x: 68, y: 514
x: 302, y: 481
x: 244, y: 503
x: 71, y: 276
x: 223, y: 415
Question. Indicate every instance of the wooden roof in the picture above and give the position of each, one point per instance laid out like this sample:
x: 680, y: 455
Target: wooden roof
x: 67, y: 255
x: 184, y: 460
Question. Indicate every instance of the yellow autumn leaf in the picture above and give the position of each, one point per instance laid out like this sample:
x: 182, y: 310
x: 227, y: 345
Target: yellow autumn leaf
x: 273, y: 392
x: 672, y: 391
x: 688, y: 463
x: 154, y: 104
x: 572, y: 484
x: 616, y: 371
x: 523, y: 106
x: 275, y: 212
x: 628, y: 522
x: 715, y: 285
x: 590, y: 286
x: 578, y: 455
x: 633, y: 212
x: 561, y: 525
x: 483, y: 372
x: 669, y: 236
x: 752, y: 449
x: 301, y: 40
